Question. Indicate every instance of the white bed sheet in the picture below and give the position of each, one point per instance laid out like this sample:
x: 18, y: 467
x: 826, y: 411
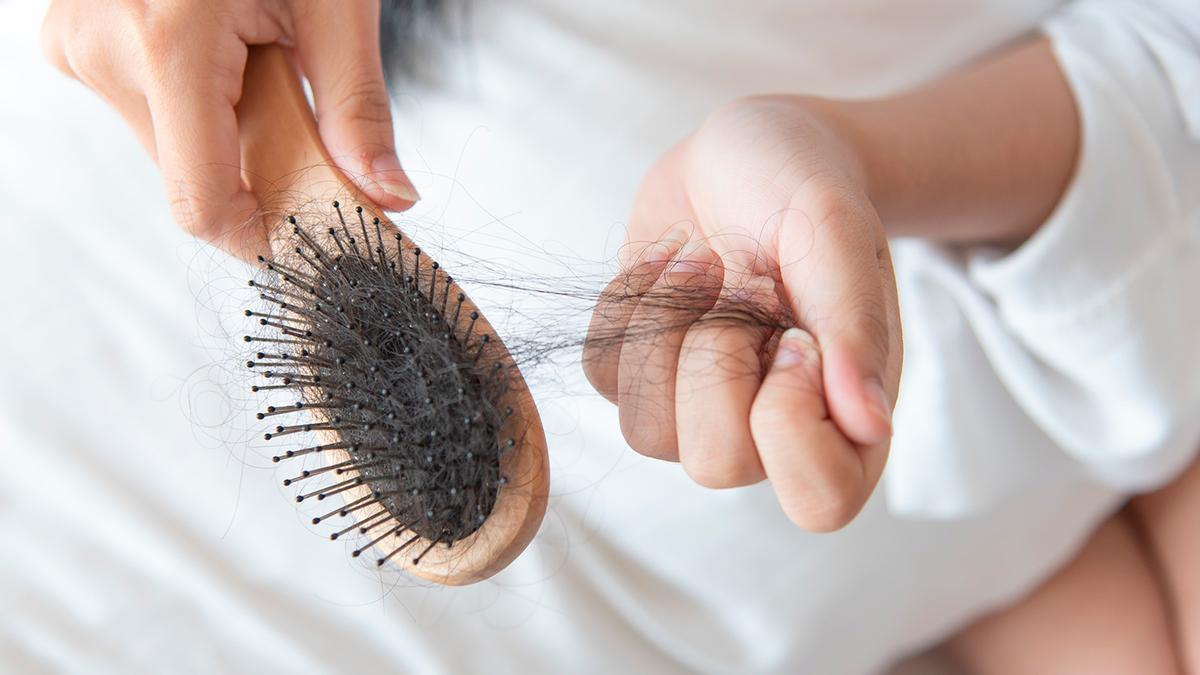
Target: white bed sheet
x: 143, y: 529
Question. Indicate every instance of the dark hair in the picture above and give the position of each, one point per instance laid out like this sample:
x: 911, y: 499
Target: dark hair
x: 403, y: 26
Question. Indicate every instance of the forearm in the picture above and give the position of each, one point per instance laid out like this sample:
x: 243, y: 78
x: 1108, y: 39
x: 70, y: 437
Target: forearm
x: 981, y: 155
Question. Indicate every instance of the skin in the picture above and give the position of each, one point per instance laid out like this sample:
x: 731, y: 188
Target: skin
x: 792, y: 199
x: 173, y: 69
x: 1168, y: 521
x: 785, y: 201
x: 1102, y: 614
x: 816, y: 185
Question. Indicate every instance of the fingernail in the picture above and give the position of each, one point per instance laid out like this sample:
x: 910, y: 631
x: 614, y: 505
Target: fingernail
x: 877, y: 401
x: 693, y: 258
x: 388, y: 174
x: 666, y: 248
x: 796, y: 346
x: 656, y: 252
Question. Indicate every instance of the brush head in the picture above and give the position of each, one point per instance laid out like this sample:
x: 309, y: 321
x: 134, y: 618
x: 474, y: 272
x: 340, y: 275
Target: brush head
x: 424, y: 419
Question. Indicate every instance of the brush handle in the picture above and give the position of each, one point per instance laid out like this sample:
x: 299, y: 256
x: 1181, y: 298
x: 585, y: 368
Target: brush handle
x: 287, y: 167
x: 282, y: 153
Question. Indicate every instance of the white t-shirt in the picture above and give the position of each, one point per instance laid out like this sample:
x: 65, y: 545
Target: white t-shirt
x: 144, y: 526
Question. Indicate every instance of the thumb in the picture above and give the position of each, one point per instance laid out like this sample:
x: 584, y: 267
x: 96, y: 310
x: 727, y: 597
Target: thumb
x: 818, y: 476
x: 338, y: 46
x: 845, y: 301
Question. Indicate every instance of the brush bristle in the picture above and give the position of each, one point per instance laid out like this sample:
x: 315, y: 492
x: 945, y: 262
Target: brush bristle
x: 373, y: 340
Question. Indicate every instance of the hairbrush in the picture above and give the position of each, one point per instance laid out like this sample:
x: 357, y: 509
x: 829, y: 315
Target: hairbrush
x: 427, y: 433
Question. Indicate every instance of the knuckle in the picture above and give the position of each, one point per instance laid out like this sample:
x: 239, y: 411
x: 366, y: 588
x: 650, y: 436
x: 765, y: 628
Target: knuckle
x: 51, y: 41
x: 203, y: 223
x: 647, y: 434
x: 652, y: 450
x: 769, y: 413
x: 865, y: 323
x: 872, y: 326
x: 599, y: 369
x: 362, y: 100
x: 819, y: 511
x: 170, y: 36
x: 69, y: 45
x: 706, y: 474
x: 158, y: 27
x: 834, y: 205
x: 721, y: 467
x: 154, y: 37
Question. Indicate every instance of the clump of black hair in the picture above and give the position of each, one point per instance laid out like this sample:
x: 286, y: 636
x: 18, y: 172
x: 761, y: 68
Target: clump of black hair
x: 373, y: 340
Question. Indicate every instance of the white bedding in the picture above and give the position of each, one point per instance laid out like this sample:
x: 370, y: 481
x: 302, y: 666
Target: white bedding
x: 143, y: 528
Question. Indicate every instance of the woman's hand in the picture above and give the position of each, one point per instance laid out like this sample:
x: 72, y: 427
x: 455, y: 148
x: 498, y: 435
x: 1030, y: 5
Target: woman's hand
x: 779, y: 199
x: 765, y: 204
x: 173, y: 69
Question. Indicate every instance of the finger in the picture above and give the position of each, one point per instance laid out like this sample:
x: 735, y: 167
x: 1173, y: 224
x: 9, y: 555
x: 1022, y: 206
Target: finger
x: 820, y: 478
x: 338, y: 46
x: 103, y: 66
x: 136, y: 113
x: 55, y: 27
x: 615, y: 306
x: 191, y: 103
x: 846, y: 307
x: 720, y: 368
x: 660, y: 222
x: 688, y: 287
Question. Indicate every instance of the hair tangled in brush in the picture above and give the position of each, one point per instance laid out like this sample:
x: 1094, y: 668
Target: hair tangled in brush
x: 400, y: 382
x: 406, y: 390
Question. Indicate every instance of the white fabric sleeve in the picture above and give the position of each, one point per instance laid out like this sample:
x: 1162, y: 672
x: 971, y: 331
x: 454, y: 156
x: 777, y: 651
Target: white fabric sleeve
x: 1105, y: 297
x: 1079, y: 352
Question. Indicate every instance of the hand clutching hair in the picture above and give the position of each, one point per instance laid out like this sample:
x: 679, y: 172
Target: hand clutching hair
x: 763, y: 206
x: 174, y: 71
x: 772, y: 215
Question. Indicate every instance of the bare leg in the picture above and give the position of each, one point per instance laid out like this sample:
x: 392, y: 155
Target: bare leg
x: 1102, y: 614
x: 1170, y: 519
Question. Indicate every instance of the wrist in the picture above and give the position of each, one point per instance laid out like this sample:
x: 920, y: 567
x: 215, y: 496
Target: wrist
x: 983, y: 155
x: 868, y: 131
x: 841, y: 125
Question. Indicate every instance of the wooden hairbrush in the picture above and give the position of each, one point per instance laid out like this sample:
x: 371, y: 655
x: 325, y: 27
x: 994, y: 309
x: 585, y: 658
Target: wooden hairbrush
x: 428, y: 433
